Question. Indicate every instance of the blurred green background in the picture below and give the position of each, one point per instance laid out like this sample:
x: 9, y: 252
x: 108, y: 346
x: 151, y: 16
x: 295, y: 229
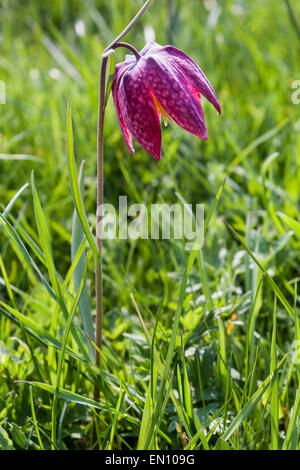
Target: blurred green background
x: 248, y: 50
x: 50, y: 51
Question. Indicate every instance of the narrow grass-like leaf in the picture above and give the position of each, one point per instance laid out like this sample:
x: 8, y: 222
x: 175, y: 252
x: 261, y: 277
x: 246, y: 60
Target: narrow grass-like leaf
x: 199, y: 435
x: 146, y: 419
x: 273, y: 285
x: 75, y: 186
x: 77, y: 238
x: 250, y: 345
x: 274, y: 388
x: 15, y: 237
x: 34, y: 419
x: 47, y: 251
x: 45, y: 240
x: 62, y: 350
x: 115, y: 420
x: 11, y: 203
x: 167, y: 365
x: 160, y: 368
x: 186, y: 386
x: 293, y: 423
x: 222, y: 353
x: 5, y: 442
x: 292, y: 223
x: 24, y: 235
x: 293, y: 427
x: 20, y: 157
x: 248, y: 407
x: 255, y: 143
x: 43, y: 336
x: 68, y: 395
x: 6, y: 281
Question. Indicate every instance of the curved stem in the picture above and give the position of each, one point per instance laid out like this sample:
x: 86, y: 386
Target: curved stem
x: 100, y: 133
x: 98, y: 267
x: 100, y: 183
x: 132, y: 23
x: 99, y: 287
x: 124, y: 44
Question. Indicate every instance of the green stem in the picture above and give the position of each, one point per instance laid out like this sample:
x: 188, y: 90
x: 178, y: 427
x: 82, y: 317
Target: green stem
x: 100, y: 187
x: 100, y: 182
x: 62, y: 354
x: 132, y: 23
x: 293, y: 18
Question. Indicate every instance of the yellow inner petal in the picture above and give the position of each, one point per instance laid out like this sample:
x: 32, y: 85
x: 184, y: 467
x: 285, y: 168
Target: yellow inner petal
x: 161, y: 110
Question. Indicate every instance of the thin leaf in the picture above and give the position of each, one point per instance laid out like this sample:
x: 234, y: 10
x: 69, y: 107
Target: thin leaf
x: 75, y: 186
x: 275, y: 288
x: 16, y: 239
x: 290, y: 222
x: 77, y: 239
x: 248, y: 407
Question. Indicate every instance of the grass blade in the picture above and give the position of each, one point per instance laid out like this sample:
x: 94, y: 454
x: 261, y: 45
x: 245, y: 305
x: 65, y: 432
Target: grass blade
x: 16, y: 239
x: 75, y: 186
x: 62, y: 351
x: 275, y: 288
x: 274, y: 390
x: 84, y: 301
x: 248, y: 407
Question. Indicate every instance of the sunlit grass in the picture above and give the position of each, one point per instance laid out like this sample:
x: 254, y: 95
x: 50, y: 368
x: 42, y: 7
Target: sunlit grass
x: 195, y: 345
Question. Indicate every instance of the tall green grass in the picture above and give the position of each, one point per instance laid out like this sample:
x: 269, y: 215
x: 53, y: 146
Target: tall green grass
x: 199, y: 347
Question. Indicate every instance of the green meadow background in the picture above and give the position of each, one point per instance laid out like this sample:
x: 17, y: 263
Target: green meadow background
x: 195, y: 346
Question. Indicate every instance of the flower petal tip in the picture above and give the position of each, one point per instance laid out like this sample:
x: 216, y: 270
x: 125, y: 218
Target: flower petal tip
x: 216, y: 105
x: 156, y: 156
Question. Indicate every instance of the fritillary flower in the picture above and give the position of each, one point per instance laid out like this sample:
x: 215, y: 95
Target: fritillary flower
x: 161, y: 82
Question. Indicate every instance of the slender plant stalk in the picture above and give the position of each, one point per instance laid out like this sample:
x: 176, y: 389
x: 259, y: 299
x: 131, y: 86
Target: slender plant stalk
x: 100, y: 183
x: 293, y: 18
x: 132, y: 23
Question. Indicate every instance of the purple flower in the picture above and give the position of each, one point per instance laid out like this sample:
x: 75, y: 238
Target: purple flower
x: 165, y: 82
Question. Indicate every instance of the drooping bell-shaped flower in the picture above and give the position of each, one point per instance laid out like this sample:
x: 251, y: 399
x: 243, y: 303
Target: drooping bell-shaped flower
x: 165, y: 82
